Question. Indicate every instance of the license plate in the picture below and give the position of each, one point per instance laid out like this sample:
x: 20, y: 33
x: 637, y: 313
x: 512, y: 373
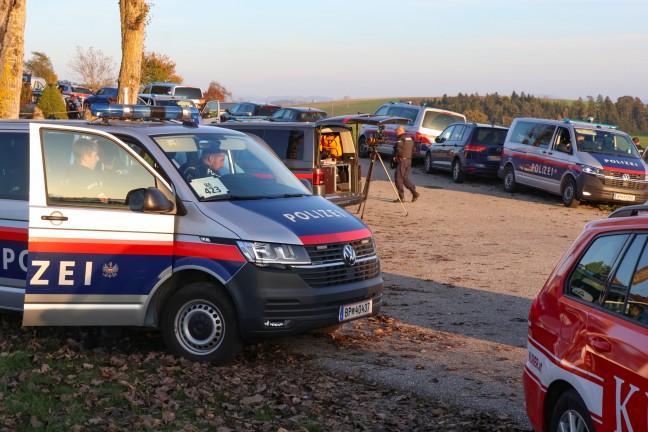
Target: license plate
x: 623, y: 197
x: 355, y: 310
x: 494, y: 158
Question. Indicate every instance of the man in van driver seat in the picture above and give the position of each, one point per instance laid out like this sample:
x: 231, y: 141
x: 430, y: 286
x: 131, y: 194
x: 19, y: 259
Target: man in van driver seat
x: 84, y: 181
x: 208, y: 166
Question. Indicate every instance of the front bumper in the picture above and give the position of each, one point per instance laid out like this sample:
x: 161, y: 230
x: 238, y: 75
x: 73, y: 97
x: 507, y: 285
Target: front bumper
x: 278, y: 302
x: 599, y: 189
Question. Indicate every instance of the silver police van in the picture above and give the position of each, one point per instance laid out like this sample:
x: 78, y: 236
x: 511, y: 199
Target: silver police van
x: 98, y: 227
x: 580, y: 161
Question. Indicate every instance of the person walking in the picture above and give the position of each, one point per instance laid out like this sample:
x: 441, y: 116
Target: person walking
x: 403, y: 160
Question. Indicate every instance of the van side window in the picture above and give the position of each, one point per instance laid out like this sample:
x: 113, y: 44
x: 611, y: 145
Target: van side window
x: 287, y: 144
x: 534, y: 134
x: 562, y: 141
x: 90, y: 170
x: 588, y: 279
x: 14, y: 166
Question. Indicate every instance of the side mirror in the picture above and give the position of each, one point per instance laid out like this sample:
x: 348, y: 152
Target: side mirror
x: 150, y: 200
x: 439, y: 139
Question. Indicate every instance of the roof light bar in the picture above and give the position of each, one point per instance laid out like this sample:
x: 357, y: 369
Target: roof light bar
x: 589, y: 123
x: 122, y: 111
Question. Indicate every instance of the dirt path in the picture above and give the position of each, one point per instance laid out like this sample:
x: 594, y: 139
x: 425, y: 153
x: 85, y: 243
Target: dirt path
x: 460, y: 272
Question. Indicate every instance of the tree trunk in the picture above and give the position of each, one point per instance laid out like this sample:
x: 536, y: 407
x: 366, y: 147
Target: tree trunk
x: 12, y: 49
x: 133, y: 21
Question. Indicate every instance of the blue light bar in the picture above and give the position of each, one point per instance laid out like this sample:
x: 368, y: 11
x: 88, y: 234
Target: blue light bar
x: 125, y: 112
x: 588, y: 123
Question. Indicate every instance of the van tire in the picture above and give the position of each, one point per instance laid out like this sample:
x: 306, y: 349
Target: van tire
x: 199, y: 323
x: 570, y: 410
x: 509, y: 179
x: 457, y: 171
x: 568, y: 193
x: 363, y: 150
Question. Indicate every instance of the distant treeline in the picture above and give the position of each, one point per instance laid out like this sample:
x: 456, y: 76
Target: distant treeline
x: 628, y: 113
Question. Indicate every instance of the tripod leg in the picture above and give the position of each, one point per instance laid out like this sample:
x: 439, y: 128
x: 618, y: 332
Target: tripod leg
x: 365, y: 190
x: 392, y: 183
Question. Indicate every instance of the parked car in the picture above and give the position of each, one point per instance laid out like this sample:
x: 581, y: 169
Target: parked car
x: 425, y: 124
x: 249, y: 111
x: 466, y: 148
x: 68, y: 89
x: 101, y: 96
x: 213, y: 109
x: 578, y: 160
x: 588, y: 332
x: 298, y: 114
x: 173, y: 89
x: 155, y: 100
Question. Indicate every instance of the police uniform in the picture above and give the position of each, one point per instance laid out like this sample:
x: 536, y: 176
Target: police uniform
x: 197, y: 169
x: 403, y: 158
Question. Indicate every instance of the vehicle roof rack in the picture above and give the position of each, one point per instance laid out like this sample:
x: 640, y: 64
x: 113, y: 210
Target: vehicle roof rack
x: 632, y: 210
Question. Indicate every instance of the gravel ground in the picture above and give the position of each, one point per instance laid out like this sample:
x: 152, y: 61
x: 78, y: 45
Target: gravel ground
x: 460, y: 271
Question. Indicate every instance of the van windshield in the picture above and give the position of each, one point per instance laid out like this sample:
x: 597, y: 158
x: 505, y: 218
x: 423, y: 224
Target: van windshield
x: 605, y: 142
x: 228, y: 166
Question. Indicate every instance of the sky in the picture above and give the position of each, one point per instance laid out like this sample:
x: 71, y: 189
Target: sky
x: 268, y: 50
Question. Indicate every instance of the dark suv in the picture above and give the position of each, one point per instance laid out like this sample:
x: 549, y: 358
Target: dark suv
x: 467, y: 148
x: 249, y: 111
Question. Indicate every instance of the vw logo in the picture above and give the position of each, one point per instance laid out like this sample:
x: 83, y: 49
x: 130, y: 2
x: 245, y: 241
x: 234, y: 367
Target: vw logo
x: 626, y: 177
x: 348, y: 255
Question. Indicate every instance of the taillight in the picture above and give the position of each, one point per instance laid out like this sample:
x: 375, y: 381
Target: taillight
x: 475, y: 148
x: 318, y: 177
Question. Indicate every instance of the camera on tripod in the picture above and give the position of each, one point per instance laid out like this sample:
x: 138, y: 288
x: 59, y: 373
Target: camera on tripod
x: 373, y: 141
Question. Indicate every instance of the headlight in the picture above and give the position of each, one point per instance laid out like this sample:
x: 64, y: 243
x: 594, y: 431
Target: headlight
x: 592, y: 170
x: 273, y: 254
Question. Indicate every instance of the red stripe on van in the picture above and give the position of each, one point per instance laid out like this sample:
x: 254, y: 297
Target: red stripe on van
x: 209, y: 251
x: 13, y: 234
x: 96, y: 246
x: 336, y: 237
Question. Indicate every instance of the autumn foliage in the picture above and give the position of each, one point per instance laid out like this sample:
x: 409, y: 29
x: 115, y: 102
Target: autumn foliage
x: 217, y: 92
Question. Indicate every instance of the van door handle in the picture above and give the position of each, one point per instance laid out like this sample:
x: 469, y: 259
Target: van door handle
x: 599, y: 344
x: 55, y: 217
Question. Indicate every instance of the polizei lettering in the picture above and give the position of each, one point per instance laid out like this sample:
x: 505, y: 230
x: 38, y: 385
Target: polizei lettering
x: 621, y: 162
x: 9, y: 256
x: 543, y: 170
x: 313, y: 214
x: 68, y: 273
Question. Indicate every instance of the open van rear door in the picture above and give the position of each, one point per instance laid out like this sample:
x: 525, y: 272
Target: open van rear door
x: 96, y: 252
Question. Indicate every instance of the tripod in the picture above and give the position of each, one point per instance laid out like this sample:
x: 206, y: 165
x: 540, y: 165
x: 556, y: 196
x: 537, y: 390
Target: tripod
x: 363, y: 204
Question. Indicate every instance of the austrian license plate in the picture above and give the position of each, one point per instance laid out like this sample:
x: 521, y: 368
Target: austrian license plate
x: 355, y: 310
x: 494, y: 158
x: 623, y: 197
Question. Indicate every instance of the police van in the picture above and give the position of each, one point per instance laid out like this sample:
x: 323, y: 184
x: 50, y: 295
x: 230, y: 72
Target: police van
x: 213, y: 262
x: 580, y: 161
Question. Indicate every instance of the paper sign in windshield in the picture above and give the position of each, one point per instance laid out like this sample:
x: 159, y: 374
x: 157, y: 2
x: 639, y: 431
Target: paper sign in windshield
x: 208, y: 187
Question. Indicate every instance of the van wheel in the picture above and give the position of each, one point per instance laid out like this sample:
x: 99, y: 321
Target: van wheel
x: 570, y: 414
x: 509, y: 179
x: 427, y: 164
x: 569, y: 194
x: 199, y: 323
x: 457, y: 173
x: 363, y: 151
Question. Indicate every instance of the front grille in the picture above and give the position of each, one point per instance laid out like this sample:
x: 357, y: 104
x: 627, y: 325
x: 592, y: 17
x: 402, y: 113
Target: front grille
x: 329, y: 269
x: 615, y: 179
